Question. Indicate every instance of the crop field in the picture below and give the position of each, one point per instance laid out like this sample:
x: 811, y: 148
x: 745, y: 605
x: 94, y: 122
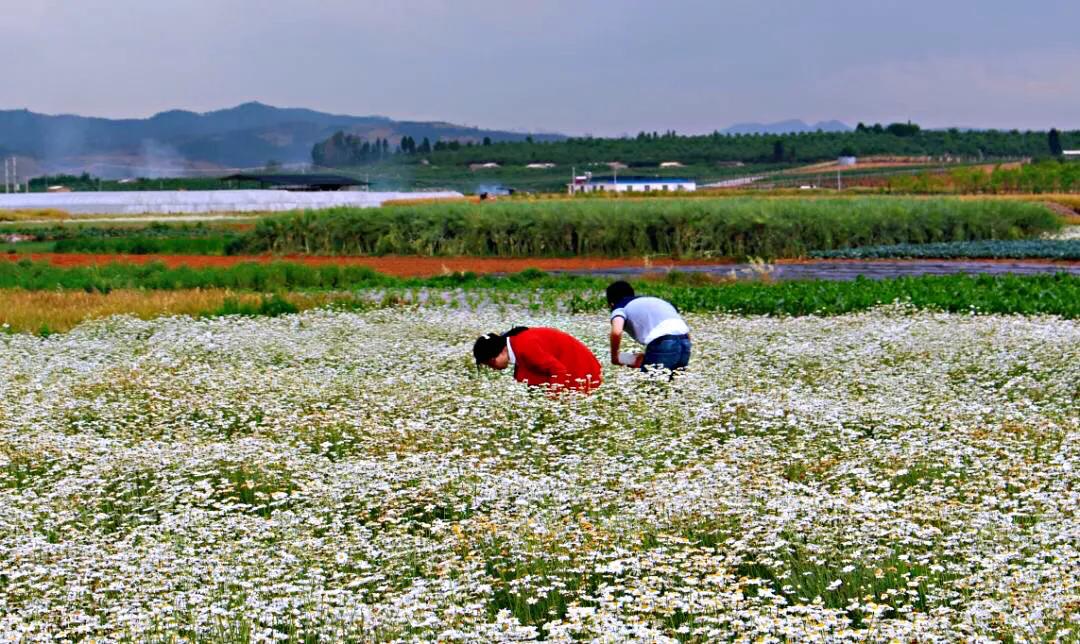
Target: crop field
x: 684, y: 228
x: 199, y: 444
x: 891, y: 474
x: 1059, y: 249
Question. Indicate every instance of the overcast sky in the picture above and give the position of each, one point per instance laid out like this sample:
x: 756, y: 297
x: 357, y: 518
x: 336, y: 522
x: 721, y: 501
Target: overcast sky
x: 587, y: 66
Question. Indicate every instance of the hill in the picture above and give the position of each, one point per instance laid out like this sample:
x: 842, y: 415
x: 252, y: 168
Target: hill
x: 174, y: 141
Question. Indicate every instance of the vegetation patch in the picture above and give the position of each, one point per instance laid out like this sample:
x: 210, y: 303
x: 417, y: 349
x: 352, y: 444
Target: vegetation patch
x: 1065, y: 249
x: 739, y: 227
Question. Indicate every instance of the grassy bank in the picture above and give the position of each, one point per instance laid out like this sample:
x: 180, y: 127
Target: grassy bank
x: 741, y: 227
x: 40, y: 298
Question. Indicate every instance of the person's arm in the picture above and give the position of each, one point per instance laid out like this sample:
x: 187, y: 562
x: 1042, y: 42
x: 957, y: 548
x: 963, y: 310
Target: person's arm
x: 618, y: 323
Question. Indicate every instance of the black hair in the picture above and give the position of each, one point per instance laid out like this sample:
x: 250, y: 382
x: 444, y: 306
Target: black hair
x: 491, y: 345
x: 618, y: 291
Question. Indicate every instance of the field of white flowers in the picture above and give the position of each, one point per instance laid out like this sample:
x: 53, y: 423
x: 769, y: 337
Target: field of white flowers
x: 330, y: 476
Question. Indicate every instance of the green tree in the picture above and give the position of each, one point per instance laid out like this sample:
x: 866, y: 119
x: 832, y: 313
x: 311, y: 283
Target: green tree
x: 1054, y: 140
x: 778, y: 151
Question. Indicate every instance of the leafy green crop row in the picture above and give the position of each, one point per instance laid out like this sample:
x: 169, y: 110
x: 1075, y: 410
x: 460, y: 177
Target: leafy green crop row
x: 1050, y: 294
x: 741, y: 227
x: 1012, y: 249
x: 144, y: 245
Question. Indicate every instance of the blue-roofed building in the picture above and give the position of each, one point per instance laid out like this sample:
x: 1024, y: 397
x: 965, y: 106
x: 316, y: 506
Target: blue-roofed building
x: 631, y: 184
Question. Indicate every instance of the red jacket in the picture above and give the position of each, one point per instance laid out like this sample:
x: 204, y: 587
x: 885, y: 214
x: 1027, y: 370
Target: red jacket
x: 550, y: 356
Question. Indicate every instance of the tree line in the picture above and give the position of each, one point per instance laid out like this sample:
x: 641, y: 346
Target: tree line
x: 649, y: 149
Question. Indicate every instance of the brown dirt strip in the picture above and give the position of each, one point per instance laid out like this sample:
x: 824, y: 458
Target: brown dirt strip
x: 400, y: 266
x: 408, y: 266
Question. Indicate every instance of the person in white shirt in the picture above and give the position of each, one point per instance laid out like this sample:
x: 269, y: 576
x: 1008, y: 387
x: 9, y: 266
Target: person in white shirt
x: 651, y: 321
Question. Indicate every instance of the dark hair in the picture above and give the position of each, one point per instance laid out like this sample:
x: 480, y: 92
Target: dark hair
x: 491, y: 345
x: 618, y: 291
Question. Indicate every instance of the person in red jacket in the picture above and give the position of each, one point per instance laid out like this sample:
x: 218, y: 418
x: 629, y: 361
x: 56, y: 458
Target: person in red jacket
x: 540, y: 356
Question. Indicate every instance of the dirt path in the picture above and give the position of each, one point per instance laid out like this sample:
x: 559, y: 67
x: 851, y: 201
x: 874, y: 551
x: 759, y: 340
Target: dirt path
x: 390, y: 265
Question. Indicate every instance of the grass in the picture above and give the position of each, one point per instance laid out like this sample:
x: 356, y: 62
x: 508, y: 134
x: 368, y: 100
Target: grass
x: 125, y: 239
x: 692, y: 227
x: 26, y: 215
x: 47, y: 312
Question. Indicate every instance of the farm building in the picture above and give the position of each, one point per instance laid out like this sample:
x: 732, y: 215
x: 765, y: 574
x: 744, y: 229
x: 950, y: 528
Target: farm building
x: 631, y: 184
x: 300, y: 182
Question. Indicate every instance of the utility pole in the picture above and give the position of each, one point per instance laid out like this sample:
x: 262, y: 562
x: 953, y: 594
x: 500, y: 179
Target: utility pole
x: 838, y: 186
x: 7, y: 177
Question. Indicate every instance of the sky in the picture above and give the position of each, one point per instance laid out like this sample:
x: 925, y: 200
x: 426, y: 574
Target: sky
x: 596, y: 67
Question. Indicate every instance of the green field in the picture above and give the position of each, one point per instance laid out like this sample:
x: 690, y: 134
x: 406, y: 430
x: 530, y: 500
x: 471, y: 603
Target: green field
x: 1051, y: 294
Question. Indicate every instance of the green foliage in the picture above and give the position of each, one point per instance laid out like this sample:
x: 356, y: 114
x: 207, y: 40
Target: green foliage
x: 1041, y: 177
x: 650, y: 149
x: 1043, y: 294
x: 1029, y: 295
x: 698, y: 227
x: 1015, y: 249
x: 138, y: 245
x: 343, y: 149
x: 155, y: 238
x: 1053, y: 140
x: 272, y: 306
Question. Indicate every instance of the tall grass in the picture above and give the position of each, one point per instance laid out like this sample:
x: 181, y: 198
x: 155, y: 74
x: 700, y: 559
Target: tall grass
x: 31, y: 215
x: 741, y: 227
x: 45, y: 312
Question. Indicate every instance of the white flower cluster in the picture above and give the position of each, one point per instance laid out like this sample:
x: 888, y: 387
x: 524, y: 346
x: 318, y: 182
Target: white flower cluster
x: 1068, y: 232
x: 891, y: 475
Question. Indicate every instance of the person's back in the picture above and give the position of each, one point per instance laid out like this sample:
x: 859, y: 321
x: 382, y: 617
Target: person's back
x: 543, y: 355
x: 648, y: 318
x: 651, y: 321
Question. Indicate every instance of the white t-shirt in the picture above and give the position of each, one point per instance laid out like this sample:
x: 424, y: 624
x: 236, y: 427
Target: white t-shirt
x: 649, y: 318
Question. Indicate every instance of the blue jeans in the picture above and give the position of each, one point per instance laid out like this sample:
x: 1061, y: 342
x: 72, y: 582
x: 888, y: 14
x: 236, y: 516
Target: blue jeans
x: 669, y: 351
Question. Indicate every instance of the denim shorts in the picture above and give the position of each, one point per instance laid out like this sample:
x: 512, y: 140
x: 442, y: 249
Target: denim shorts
x: 668, y: 351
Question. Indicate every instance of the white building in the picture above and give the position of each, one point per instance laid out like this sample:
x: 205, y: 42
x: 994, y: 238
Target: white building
x: 1071, y: 154
x: 631, y: 184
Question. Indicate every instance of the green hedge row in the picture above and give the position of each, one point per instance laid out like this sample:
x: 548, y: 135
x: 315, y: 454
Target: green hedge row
x: 729, y: 227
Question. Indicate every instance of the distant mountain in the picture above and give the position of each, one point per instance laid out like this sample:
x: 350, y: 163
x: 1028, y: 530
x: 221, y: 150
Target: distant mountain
x: 175, y: 141
x: 787, y: 127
